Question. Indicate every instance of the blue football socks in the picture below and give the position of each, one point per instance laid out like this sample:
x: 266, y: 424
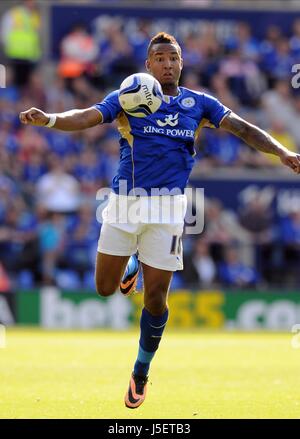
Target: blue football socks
x: 152, y: 328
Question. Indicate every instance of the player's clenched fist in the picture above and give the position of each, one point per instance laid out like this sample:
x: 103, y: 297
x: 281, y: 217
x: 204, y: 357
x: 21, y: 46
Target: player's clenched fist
x: 34, y: 116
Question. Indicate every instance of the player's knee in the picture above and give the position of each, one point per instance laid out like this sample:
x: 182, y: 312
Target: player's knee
x: 104, y: 290
x: 156, y: 308
x: 156, y: 302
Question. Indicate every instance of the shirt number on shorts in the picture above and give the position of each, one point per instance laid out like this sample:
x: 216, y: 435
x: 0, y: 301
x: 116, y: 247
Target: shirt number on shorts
x: 176, y: 245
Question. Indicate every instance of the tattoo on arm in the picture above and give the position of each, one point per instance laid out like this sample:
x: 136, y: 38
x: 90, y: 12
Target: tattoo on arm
x: 252, y: 135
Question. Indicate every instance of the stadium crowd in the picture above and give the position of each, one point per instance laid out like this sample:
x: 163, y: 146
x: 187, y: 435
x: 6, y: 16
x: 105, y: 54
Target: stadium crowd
x: 49, y: 179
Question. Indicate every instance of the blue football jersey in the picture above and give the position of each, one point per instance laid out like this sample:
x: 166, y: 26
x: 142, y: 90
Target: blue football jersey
x: 157, y: 151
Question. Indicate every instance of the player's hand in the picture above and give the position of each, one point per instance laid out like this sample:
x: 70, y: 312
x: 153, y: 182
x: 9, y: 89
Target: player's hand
x: 34, y: 116
x: 292, y: 160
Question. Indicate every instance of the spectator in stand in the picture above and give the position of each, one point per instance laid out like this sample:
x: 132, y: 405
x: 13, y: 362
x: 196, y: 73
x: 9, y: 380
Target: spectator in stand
x: 212, y: 51
x: 223, y: 229
x: 139, y: 40
x: 52, y: 236
x: 293, y: 124
x: 244, y: 40
x: 111, y: 152
x: 89, y: 172
x: 31, y: 141
x: 116, y: 56
x: 18, y: 238
x: 96, y: 137
x: 284, y: 60
x: 199, y: 267
x: 35, y: 88
x: 295, y: 39
x: 33, y: 169
x: 290, y: 229
x: 257, y: 218
x: 290, y: 235
x: 244, y: 78
x: 79, y: 53
x: 8, y: 190
x: 58, y: 191
x: 268, y: 52
x: 8, y: 138
x: 233, y: 273
x: 20, y: 27
x: 58, y: 97
x: 279, y: 97
x: 83, y: 91
x: 191, y: 80
x: 191, y: 52
x: 63, y: 144
x: 280, y: 133
x: 5, y: 284
x: 82, y: 236
x: 7, y: 112
x: 219, y: 87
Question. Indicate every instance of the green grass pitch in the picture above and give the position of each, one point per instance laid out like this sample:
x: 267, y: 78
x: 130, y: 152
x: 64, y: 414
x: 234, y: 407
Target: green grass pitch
x: 84, y: 374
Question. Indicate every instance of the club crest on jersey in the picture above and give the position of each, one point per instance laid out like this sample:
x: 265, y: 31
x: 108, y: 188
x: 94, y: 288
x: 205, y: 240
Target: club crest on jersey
x: 188, y: 102
x: 169, y: 120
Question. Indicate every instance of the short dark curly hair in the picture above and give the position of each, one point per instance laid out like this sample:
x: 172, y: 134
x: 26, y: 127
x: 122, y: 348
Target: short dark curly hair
x: 162, y: 38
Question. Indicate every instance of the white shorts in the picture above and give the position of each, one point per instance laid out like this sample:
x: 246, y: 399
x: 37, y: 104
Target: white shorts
x: 159, y: 245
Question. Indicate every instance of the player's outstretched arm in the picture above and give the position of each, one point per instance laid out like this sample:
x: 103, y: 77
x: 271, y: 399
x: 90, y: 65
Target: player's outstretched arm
x: 73, y: 120
x: 260, y: 140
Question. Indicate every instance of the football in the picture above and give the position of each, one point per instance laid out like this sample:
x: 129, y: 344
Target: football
x: 140, y: 95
